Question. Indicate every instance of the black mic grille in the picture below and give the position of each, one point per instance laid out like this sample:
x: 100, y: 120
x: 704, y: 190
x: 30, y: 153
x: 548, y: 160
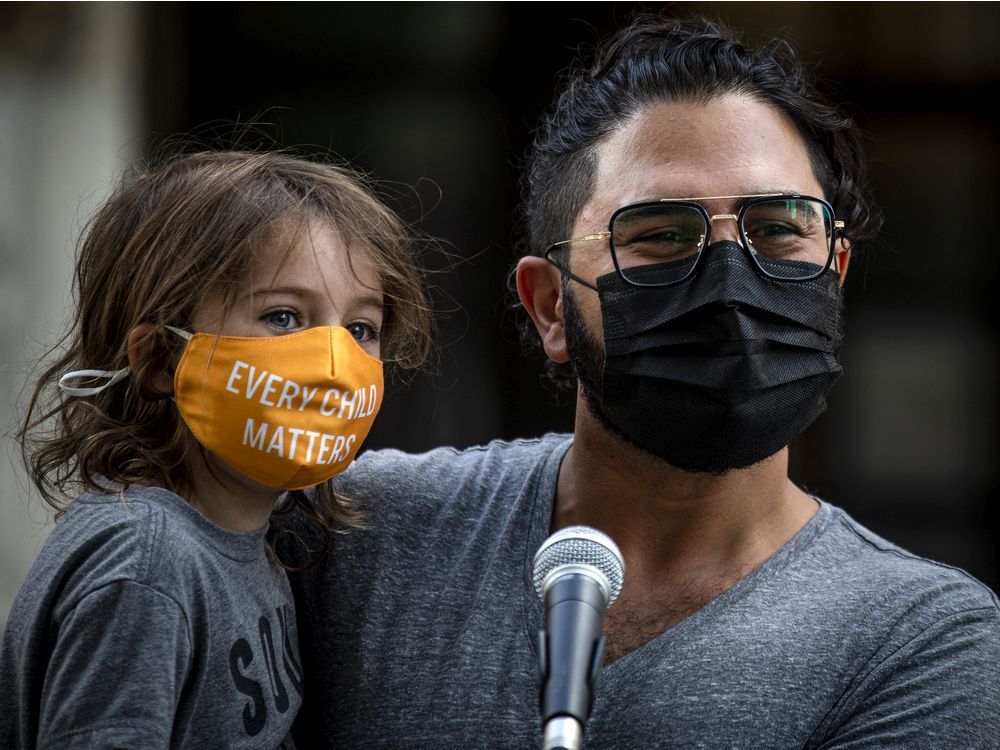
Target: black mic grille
x: 580, y: 545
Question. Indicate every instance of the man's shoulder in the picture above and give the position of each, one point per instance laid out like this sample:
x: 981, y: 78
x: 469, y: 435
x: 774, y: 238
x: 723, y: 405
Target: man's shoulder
x: 877, y: 573
x: 882, y: 630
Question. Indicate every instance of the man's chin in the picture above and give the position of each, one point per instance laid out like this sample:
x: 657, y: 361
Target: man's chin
x: 587, y: 360
x: 595, y: 411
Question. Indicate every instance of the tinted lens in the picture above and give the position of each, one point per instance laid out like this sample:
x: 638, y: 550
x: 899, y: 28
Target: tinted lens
x: 658, y: 243
x: 795, y: 232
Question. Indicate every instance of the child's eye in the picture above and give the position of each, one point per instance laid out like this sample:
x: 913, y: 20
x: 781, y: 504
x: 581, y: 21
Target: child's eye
x: 362, y: 331
x: 283, y: 320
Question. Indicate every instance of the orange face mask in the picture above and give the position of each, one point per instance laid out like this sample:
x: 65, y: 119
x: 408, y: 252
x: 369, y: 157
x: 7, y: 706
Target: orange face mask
x: 287, y: 411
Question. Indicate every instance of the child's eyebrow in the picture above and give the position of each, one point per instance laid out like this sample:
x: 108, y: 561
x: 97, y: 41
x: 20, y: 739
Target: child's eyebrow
x: 369, y: 301
x: 295, y: 291
x: 298, y: 291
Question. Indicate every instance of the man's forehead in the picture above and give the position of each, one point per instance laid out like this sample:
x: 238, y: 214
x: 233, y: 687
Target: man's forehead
x: 732, y: 145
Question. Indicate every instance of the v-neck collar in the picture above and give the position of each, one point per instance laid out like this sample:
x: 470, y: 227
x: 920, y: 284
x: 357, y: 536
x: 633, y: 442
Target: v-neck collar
x: 540, y: 512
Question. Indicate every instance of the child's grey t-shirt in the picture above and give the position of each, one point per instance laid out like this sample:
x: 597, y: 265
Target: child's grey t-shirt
x: 421, y: 631
x: 144, y: 625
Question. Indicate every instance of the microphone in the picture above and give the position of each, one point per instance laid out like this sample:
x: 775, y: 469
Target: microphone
x: 578, y: 573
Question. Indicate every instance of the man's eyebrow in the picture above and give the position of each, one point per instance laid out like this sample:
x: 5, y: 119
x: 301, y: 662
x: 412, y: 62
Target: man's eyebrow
x: 762, y: 192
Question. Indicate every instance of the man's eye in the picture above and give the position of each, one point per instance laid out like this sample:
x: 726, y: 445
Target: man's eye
x: 776, y: 229
x: 362, y: 331
x: 283, y: 320
x: 773, y: 229
x: 665, y: 235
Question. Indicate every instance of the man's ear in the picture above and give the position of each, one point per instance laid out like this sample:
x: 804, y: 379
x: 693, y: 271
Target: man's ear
x: 540, y: 290
x: 149, y: 361
x: 842, y: 258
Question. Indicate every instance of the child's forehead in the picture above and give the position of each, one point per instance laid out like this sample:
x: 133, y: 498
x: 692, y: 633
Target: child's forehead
x: 312, y: 253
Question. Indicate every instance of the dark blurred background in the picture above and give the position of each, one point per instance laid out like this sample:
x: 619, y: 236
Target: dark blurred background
x: 438, y: 101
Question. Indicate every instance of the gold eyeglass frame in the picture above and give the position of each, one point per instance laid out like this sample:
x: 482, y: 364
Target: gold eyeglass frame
x: 838, y: 226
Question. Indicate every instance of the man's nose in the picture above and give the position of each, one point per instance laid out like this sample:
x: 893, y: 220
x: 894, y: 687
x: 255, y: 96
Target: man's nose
x: 725, y: 227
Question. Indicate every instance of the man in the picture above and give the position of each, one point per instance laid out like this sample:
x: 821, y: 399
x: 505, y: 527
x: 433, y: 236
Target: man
x: 692, y: 207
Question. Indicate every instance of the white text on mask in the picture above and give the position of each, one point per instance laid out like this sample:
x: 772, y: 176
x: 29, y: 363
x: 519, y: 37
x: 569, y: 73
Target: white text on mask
x: 264, y: 386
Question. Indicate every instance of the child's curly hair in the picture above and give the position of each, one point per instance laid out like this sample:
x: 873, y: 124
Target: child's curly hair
x: 173, y: 232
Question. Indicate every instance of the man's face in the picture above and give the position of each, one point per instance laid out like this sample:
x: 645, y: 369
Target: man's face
x: 732, y: 145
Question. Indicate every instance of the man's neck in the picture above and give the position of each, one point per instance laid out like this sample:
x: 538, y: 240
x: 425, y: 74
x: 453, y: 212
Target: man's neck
x: 686, y: 537
x: 667, y: 519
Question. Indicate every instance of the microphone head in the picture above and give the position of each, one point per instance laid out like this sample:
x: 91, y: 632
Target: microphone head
x: 582, y: 548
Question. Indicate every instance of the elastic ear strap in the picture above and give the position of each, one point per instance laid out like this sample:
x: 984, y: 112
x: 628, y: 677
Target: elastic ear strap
x: 180, y: 332
x: 113, y: 376
x: 570, y: 275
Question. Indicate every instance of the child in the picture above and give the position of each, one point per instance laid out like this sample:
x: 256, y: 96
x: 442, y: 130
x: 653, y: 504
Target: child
x: 240, y: 303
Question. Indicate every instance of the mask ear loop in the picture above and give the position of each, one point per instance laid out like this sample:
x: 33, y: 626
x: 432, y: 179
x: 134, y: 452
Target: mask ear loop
x: 180, y: 332
x: 113, y: 376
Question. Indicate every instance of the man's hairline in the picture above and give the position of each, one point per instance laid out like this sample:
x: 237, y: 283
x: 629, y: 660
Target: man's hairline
x: 589, y: 157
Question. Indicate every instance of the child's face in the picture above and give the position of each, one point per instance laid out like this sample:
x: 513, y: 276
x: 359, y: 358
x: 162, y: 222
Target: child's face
x: 302, y: 280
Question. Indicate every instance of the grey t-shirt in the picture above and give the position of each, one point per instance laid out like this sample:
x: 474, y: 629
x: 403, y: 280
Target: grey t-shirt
x: 419, y: 632
x: 144, y: 625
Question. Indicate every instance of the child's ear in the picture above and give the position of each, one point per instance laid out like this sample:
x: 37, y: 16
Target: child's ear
x: 150, y: 361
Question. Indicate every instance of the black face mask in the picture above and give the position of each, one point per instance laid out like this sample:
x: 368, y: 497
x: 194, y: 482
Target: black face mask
x: 717, y: 372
